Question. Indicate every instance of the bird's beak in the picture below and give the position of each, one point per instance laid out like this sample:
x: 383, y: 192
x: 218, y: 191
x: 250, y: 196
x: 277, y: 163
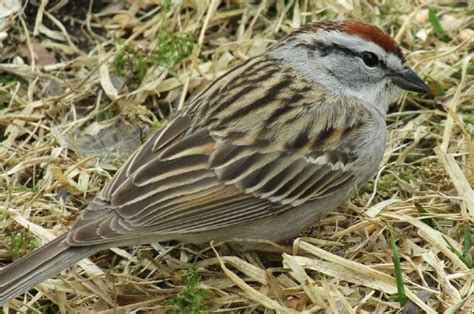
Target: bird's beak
x: 407, y: 79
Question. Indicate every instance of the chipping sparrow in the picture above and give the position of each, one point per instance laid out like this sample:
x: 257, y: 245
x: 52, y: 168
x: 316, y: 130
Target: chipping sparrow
x: 261, y: 153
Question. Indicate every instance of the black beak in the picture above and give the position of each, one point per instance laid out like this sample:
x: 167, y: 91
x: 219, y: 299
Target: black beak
x: 407, y: 79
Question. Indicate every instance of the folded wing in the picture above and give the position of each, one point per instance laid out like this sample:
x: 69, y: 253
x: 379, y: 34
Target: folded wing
x: 202, y: 175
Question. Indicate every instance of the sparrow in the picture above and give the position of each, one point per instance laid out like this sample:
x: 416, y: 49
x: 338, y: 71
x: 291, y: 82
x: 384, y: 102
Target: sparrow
x: 261, y: 153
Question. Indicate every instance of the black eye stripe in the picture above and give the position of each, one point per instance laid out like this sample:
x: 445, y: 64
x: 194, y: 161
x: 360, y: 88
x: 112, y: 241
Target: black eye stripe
x: 326, y: 49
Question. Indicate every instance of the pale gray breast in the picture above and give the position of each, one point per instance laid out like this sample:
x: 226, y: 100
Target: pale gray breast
x: 370, y: 147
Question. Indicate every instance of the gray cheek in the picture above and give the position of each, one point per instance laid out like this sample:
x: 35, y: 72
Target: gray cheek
x: 344, y: 70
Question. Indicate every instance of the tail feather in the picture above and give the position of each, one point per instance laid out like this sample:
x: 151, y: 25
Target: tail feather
x: 39, y: 265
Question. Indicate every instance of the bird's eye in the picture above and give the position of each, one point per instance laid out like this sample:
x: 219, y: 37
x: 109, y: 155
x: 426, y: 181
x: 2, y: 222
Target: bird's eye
x: 370, y: 59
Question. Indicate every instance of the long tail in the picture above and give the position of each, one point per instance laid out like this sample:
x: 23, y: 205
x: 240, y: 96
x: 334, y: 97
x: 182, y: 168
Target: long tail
x: 39, y: 265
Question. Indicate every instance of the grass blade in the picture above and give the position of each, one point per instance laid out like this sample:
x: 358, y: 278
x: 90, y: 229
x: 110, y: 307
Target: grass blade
x: 402, y: 298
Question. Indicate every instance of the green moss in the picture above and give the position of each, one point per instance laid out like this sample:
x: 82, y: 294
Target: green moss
x: 409, y: 174
x: 20, y: 243
x: 191, y: 299
x: 132, y: 62
x: 171, y: 48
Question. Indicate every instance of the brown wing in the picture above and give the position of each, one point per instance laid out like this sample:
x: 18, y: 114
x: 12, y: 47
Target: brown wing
x: 202, y: 173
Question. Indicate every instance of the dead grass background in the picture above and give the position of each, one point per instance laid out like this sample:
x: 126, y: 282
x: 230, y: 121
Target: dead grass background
x: 78, y: 92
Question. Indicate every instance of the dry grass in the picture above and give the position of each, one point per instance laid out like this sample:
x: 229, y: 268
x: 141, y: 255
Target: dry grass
x: 91, y: 63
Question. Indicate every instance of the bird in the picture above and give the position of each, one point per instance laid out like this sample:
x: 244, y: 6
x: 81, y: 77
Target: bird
x: 262, y: 152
